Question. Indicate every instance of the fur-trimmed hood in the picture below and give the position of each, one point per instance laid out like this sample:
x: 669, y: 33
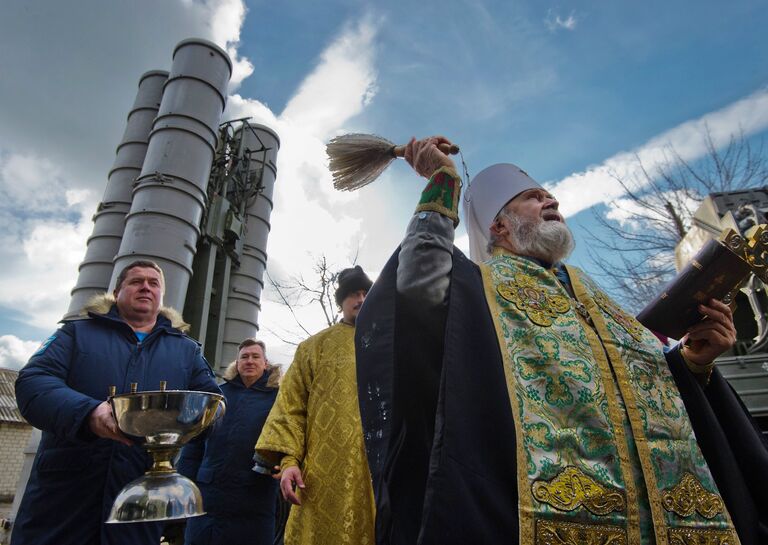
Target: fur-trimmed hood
x: 275, y: 374
x: 102, y: 303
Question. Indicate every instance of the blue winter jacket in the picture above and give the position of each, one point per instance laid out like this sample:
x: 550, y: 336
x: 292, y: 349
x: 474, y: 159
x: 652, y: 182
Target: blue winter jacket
x: 239, y: 502
x: 76, y: 476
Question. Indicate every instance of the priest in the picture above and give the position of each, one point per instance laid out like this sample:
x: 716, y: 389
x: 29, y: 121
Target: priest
x: 508, y: 399
x: 314, y: 433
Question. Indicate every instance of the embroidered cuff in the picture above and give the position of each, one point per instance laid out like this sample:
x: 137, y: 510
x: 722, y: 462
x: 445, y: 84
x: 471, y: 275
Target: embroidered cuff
x: 442, y: 194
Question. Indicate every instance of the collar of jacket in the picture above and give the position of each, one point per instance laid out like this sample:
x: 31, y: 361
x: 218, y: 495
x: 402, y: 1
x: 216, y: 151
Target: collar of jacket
x: 273, y: 381
x: 260, y: 384
x: 103, y: 307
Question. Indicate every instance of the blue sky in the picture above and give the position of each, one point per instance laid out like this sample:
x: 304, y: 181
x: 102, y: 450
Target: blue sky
x: 504, y: 80
x: 567, y: 90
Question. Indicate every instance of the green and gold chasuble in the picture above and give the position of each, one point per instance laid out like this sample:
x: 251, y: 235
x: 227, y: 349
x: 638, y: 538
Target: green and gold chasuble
x: 606, y: 452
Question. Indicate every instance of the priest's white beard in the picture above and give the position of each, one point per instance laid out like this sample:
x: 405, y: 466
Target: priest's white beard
x: 550, y: 241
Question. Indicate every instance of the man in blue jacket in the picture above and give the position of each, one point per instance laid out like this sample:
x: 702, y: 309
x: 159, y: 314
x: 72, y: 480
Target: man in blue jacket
x: 239, y: 503
x: 83, y: 459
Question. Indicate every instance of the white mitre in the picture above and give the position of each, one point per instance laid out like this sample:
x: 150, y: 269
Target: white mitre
x: 488, y: 193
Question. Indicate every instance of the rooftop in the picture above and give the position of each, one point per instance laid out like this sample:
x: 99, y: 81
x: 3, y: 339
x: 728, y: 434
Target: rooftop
x: 9, y: 411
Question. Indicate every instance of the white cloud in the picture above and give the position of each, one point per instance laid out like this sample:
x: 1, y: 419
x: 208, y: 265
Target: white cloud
x: 238, y: 107
x: 340, y: 86
x: 30, y: 182
x: 629, y: 214
x: 77, y: 196
x: 44, y: 276
x: 555, y: 22
x: 310, y: 217
x: 45, y: 225
x: 597, y: 184
x: 305, y: 214
x: 224, y: 21
x: 15, y: 352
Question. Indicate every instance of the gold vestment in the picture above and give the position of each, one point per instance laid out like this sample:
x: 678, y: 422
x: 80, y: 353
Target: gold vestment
x: 315, y: 424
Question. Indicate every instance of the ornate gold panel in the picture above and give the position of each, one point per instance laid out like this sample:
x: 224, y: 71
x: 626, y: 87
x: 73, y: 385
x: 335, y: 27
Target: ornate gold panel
x: 568, y: 533
x: 689, y: 496
x: 571, y: 489
x: 690, y: 536
x: 630, y: 324
x: 538, y: 303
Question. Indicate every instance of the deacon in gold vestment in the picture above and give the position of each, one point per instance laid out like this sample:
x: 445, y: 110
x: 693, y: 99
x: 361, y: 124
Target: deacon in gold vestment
x: 511, y: 400
x: 314, y: 433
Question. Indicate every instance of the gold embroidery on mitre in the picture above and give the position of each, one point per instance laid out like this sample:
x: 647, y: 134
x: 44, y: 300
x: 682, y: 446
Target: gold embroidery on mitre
x: 538, y: 303
x: 631, y: 325
x: 571, y: 489
x: 701, y: 536
x: 569, y: 533
x: 689, y: 496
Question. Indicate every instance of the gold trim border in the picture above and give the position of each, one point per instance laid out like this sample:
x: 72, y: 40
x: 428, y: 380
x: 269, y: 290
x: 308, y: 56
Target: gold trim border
x: 551, y: 532
x: 633, y: 510
x: 702, y: 536
x: 641, y: 441
x: 525, y: 499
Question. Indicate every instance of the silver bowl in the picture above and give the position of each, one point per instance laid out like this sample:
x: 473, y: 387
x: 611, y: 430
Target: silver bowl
x: 156, y: 498
x: 165, y: 418
x: 162, y: 422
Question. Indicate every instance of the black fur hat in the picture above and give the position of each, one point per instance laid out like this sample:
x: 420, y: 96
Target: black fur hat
x: 349, y: 281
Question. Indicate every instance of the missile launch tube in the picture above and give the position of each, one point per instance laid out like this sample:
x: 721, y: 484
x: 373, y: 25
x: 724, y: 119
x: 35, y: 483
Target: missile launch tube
x: 247, y: 280
x: 95, y: 270
x: 169, y: 198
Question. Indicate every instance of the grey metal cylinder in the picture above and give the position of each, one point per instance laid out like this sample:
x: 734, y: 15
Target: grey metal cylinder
x: 95, y: 270
x: 247, y: 280
x: 169, y: 197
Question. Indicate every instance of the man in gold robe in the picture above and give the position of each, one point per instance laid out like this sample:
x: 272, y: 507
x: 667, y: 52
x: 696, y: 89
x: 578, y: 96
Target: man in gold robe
x: 510, y: 400
x: 314, y: 433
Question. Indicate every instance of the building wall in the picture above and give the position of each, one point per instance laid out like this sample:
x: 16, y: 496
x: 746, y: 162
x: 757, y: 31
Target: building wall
x: 13, y: 438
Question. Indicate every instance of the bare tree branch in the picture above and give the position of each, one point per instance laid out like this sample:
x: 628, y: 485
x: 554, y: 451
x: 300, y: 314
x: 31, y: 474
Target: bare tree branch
x: 636, y: 254
x: 286, y: 340
x: 280, y: 292
x: 318, y: 293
